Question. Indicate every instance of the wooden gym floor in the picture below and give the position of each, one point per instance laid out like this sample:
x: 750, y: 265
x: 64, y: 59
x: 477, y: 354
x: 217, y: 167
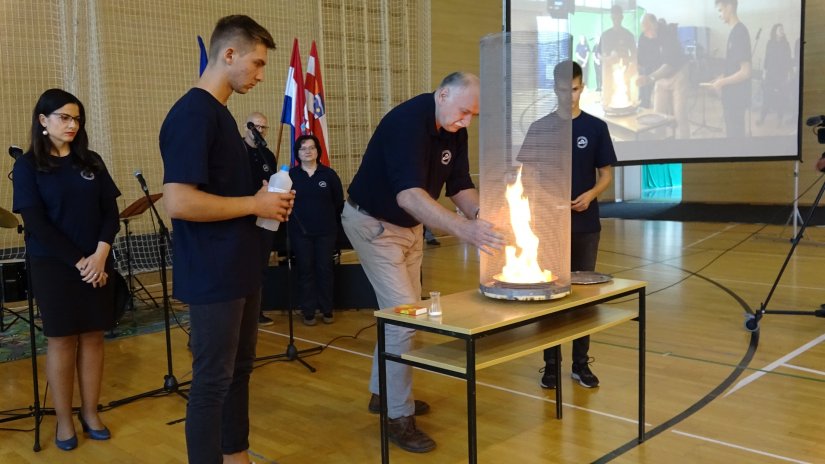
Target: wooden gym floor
x: 716, y: 393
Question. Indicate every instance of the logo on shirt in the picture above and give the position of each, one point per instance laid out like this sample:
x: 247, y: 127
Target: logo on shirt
x: 322, y: 184
x: 266, y: 167
x: 87, y: 174
x: 581, y: 142
x: 446, y: 156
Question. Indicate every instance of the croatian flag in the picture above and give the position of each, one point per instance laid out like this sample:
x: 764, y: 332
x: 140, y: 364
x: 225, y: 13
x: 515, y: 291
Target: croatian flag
x: 295, y: 110
x: 315, y: 104
x: 204, y: 58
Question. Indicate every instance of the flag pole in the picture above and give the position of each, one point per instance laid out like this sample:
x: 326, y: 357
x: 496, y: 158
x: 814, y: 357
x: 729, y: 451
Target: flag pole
x: 278, y: 145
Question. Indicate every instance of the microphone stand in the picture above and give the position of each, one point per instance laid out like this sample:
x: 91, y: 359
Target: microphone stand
x: 170, y: 383
x: 292, y: 353
x: 36, y: 411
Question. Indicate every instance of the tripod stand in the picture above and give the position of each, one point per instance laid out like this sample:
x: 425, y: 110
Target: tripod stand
x: 292, y: 353
x: 135, y: 209
x: 752, y: 320
x: 170, y: 383
x: 35, y: 410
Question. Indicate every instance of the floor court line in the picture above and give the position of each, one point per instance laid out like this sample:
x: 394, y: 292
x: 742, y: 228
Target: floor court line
x: 805, y: 369
x: 739, y: 447
x: 772, y: 366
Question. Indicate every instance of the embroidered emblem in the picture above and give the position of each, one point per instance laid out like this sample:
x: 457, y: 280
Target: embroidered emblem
x: 446, y: 156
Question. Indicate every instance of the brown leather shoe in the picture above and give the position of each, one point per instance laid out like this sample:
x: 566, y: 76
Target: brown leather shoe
x: 403, y: 432
x: 374, y: 407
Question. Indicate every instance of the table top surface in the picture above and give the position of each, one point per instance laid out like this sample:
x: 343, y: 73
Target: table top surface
x: 470, y: 312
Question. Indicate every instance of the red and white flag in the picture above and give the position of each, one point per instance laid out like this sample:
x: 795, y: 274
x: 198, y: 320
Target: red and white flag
x: 295, y: 111
x: 316, y: 106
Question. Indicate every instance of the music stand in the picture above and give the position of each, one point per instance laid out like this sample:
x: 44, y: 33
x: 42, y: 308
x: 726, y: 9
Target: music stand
x: 137, y: 208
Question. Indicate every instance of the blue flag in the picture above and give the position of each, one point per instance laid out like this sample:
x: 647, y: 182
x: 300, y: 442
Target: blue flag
x: 204, y: 58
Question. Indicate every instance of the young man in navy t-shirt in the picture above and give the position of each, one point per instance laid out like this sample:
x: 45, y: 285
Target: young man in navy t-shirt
x: 735, y: 85
x: 208, y: 193
x: 592, y: 154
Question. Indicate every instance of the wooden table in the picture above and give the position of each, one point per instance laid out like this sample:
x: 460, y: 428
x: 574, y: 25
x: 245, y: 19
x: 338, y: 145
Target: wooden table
x: 487, y: 332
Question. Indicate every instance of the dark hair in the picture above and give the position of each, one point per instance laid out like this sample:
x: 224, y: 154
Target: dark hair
x: 301, y: 140
x: 41, y: 146
x: 238, y: 27
x: 775, y: 28
x: 727, y: 2
x: 567, y: 70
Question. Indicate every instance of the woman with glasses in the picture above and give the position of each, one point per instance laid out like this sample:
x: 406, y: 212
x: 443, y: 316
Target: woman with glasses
x: 67, y: 200
x: 313, y: 228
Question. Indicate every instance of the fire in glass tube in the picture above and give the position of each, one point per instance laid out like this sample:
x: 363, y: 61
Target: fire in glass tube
x: 521, y: 266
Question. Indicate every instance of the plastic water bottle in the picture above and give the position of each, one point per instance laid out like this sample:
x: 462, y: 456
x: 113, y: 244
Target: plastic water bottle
x: 279, y: 182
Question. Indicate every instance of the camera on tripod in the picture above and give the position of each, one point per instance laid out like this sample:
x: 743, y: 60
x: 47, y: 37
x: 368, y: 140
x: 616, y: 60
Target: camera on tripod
x: 818, y: 124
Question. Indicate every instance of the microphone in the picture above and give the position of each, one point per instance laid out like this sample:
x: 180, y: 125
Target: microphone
x: 815, y: 120
x: 139, y: 176
x: 15, y: 151
x: 259, y: 139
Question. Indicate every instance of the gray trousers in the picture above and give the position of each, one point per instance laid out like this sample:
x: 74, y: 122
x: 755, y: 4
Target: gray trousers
x: 391, y: 258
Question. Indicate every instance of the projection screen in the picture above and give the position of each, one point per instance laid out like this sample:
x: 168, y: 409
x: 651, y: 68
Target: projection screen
x: 677, y: 80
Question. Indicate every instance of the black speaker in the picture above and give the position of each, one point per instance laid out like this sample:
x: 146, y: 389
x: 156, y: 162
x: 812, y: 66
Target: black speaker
x: 351, y: 290
x: 14, y: 283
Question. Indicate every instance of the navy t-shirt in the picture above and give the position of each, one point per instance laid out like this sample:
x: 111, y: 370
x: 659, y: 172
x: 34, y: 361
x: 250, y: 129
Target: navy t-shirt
x: 407, y: 151
x: 738, y: 51
x: 73, y: 199
x: 592, y: 149
x: 318, y: 201
x: 213, y: 261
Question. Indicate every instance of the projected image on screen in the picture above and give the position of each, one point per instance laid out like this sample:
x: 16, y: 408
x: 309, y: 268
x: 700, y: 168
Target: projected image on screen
x: 682, y: 80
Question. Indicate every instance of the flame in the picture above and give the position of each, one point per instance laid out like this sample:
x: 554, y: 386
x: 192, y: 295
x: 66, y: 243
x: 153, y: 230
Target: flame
x: 522, y: 268
x: 620, y: 97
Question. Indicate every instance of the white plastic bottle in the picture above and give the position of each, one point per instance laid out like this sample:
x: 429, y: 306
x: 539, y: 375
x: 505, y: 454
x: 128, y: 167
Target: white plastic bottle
x: 279, y: 182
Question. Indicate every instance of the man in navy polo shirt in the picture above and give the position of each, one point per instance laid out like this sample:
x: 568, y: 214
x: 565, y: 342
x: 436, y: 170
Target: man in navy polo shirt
x: 417, y: 148
x: 217, y: 247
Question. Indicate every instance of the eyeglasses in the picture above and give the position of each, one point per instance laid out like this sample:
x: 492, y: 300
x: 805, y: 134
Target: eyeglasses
x: 65, y: 118
x: 261, y: 128
x: 307, y: 149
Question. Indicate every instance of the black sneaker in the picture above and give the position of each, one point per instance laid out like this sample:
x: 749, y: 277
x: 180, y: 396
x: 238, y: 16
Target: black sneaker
x: 583, y: 374
x: 264, y: 321
x: 548, y: 379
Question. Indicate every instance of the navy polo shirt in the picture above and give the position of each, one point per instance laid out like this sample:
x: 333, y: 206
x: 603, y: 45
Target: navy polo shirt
x: 318, y: 201
x: 407, y: 151
x: 592, y: 149
x: 72, y: 198
x: 261, y: 164
x: 213, y: 261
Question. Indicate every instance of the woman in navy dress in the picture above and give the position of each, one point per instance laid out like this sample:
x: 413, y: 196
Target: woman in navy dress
x: 67, y: 200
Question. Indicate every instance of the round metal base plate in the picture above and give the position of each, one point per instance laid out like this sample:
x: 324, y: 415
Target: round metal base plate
x: 537, y: 292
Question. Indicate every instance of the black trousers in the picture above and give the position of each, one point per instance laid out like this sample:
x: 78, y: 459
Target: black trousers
x: 583, y: 251
x: 223, y: 341
x: 313, y: 265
